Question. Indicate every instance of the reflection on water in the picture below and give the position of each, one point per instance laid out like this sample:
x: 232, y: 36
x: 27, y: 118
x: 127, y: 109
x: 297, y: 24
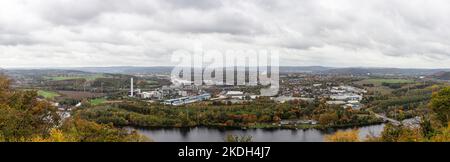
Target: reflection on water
x: 201, y: 134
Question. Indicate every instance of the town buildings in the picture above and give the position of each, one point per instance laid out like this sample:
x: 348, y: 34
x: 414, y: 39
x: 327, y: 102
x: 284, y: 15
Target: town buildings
x: 347, y: 96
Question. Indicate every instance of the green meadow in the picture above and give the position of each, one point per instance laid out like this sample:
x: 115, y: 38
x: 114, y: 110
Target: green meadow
x: 47, y: 94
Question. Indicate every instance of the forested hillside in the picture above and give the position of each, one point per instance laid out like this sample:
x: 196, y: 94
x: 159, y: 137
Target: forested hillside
x: 24, y: 118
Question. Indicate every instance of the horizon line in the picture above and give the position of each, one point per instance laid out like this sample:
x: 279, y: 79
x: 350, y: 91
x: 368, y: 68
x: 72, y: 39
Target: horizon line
x: 171, y: 66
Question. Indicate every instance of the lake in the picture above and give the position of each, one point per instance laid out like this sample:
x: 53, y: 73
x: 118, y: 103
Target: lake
x: 202, y: 134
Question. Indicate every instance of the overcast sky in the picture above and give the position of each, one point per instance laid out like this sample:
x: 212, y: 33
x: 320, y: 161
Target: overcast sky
x: 340, y: 33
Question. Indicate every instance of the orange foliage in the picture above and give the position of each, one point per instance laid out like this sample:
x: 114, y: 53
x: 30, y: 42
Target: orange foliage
x: 343, y: 136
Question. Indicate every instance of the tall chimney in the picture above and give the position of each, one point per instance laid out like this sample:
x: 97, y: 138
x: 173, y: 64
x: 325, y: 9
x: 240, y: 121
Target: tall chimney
x: 132, y: 88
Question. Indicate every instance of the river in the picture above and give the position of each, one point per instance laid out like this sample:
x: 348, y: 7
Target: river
x: 201, y: 134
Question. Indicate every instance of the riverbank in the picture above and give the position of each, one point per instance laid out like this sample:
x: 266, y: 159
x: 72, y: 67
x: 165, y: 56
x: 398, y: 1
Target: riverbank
x: 310, y: 126
x: 267, y: 126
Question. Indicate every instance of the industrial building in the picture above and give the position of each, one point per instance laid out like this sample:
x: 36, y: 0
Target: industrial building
x: 187, y: 100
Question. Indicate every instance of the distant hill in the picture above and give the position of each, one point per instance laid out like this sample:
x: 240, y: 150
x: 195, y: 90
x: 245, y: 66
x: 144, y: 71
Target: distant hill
x: 126, y: 69
x: 43, y: 72
x: 441, y: 75
x: 168, y: 69
x: 283, y: 69
x: 303, y: 69
x: 383, y: 71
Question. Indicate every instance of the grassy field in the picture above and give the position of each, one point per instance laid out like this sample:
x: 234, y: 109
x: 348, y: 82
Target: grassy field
x: 87, y: 77
x: 48, y: 94
x: 378, y: 84
x: 78, y: 95
x: 97, y: 101
x: 151, y: 82
x: 380, y: 81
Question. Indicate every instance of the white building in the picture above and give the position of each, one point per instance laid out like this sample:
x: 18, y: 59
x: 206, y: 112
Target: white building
x: 283, y: 99
x: 151, y: 94
x: 336, y: 102
x: 346, y: 97
x: 353, y: 106
x: 235, y: 94
x: 317, y: 85
x: 146, y: 95
x: 183, y: 93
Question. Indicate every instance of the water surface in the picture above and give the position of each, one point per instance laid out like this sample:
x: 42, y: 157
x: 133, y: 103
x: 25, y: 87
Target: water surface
x: 201, y: 134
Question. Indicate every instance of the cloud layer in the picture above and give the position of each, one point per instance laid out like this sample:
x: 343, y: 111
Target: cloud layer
x: 343, y: 33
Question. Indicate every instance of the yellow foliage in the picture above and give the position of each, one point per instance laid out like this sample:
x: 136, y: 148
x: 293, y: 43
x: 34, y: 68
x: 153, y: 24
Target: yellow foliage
x: 443, y: 136
x: 56, y: 135
x: 411, y: 135
x: 343, y: 136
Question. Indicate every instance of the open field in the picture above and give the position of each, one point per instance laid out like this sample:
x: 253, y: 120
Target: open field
x: 378, y: 87
x: 390, y: 81
x: 152, y: 82
x: 98, y: 101
x: 80, y: 95
x: 48, y: 94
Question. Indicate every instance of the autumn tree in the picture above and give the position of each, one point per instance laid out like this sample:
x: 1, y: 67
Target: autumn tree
x: 22, y: 116
x: 440, y: 104
x: 343, y: 136
x: 328, y: 118
x: 86, y: 131
x: 56, y: 135
x: 443, y: 135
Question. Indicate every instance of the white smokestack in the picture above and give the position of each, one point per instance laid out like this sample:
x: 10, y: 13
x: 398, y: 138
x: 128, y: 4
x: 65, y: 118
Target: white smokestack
x: 132, y: 88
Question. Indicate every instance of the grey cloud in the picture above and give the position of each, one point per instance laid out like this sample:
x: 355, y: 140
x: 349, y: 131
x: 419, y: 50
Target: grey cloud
x: 406, y: 32
x: 83, y: 11
x: 227, y: 23
x: 195, y: 4
x: 14, y: 40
